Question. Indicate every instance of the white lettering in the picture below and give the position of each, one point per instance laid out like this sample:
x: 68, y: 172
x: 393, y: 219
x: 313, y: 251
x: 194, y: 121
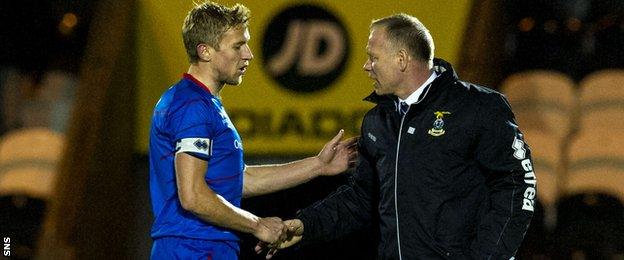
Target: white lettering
x: 238, y: 145
x: 527, y: 166
x: 527, y: 204
x: 529, y: 175
x: 529, y: 193
x: 519, y: 151
x: 529, y: 178
x: 7, y: 246
x: 532, y: 182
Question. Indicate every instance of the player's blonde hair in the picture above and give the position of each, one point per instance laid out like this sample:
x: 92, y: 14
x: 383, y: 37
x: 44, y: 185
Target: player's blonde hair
x: 207, y: 22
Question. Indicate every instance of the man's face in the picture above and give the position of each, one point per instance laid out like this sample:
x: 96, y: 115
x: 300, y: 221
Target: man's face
x: 233, y: 56
x: 381, y: 64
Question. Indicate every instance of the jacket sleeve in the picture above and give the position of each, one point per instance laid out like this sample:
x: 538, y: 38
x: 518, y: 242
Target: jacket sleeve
x: 505, y: 160
x: 346, y: 210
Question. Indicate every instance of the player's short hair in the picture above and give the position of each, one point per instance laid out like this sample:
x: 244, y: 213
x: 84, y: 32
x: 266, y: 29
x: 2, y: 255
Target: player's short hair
x: 207, y: 22
x: 407, y: 31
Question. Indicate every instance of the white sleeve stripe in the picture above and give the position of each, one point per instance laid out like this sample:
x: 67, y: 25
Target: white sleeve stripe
x: 195, y: 145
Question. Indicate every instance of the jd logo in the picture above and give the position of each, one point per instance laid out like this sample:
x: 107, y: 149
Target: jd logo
x: 305, y: 48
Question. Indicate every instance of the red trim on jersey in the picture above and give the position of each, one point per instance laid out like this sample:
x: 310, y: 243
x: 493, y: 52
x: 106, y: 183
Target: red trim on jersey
x: 196, y: 81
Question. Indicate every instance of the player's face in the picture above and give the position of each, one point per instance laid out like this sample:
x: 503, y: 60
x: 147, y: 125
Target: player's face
x: 233, y: 56
x: 381, y: 64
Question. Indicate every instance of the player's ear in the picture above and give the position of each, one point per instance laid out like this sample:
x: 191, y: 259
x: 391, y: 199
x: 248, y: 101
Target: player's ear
x: 204, y: 52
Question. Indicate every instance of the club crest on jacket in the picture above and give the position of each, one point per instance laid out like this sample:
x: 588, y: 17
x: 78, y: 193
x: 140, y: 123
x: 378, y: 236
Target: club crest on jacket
x: 438, y: 124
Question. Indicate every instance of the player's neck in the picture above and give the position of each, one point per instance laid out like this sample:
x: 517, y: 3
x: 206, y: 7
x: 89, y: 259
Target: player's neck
x: 205, y: 76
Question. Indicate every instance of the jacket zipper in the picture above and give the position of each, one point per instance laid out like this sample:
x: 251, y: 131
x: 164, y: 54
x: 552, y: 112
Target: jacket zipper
x: 396, y: 170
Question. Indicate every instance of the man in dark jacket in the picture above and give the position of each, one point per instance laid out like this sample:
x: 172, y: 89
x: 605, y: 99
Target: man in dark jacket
x: 443, y: 167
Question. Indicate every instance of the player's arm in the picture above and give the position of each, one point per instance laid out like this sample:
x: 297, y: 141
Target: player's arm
x: 349, y: 208
x: 334, y: 158
x: 196, y: 197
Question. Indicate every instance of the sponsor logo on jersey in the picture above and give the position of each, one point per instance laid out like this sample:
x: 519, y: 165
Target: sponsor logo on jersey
x: 238, y: 145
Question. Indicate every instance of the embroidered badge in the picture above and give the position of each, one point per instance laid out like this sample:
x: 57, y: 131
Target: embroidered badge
x: 438, y: 124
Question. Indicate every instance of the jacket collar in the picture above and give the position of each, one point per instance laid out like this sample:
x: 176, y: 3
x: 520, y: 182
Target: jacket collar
x: 446, y: 76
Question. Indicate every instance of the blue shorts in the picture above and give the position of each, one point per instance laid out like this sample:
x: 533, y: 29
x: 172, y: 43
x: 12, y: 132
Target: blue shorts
x: 183, y: 248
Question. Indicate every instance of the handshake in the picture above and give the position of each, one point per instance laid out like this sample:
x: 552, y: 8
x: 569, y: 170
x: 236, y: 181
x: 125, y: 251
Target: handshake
x: 275, y: 234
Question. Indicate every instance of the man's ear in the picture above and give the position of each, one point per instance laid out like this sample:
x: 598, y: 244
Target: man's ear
x: 403, y: 59
x: 204, y: 52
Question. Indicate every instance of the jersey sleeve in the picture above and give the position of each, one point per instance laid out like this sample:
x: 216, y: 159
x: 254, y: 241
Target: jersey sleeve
x: 192, y: 128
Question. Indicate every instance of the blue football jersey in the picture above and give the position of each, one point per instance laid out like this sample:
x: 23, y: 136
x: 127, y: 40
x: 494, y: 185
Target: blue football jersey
x: 187, y: 118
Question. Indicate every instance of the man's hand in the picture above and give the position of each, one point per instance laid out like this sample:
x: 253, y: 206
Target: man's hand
x: 270, y: 230
x: 336, y: 156
x: 294, y: 234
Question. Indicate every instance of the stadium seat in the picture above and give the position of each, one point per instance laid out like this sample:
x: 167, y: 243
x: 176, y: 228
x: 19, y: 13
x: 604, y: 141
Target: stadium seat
x: 28, y: 161
x: 541, y: 100
x: 543, y: 103
x: 603, y: 85
x: 597, y: 152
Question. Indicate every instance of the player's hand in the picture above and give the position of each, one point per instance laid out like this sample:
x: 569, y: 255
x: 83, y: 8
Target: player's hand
x: 337, y: 156
x: 294, y: 235
x: 270, y: 230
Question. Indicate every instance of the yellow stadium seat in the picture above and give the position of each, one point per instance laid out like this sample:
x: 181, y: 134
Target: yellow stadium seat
x: 597, y: 152
x: 543, y: 103
x: 28, y: 161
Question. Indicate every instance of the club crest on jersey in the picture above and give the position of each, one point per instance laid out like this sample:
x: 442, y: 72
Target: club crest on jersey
x: 438, y: 124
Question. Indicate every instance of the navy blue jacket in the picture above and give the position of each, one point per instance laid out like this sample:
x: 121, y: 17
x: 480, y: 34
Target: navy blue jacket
x: 452, y: 179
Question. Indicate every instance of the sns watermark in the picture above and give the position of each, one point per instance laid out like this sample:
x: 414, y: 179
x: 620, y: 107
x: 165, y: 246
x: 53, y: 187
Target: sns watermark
x: 7, y: 246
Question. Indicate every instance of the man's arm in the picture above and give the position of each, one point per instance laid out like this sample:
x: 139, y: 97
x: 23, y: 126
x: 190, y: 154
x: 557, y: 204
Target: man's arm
x: 196, y: 197
x: 334, y: 158
x: 506, y: 160
x: 347, y: 209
